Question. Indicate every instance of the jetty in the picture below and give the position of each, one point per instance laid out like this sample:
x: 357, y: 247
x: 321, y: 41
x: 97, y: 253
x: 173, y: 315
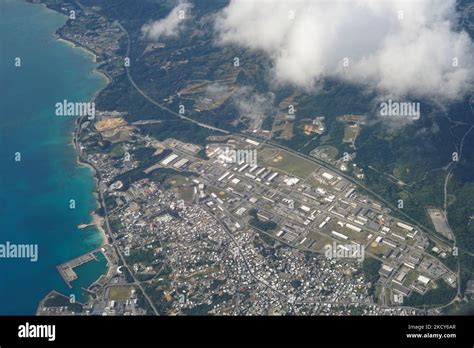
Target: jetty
x: 66, y: 270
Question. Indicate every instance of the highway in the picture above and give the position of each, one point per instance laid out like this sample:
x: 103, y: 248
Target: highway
x: 430, y: 233
x: 276, y: 145
x: 101, y: 200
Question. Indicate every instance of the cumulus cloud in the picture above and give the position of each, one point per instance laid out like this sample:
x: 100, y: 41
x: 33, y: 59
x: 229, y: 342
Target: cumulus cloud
x: 396, y: 47
x: 216, y: 90
x: 251, y: 104
x: 171, y: 25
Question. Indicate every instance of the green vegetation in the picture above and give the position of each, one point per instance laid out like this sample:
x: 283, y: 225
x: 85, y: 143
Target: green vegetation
x: 296, y: 283
x: 159, y: 175
x: 286, y: 162
x: 417, y: 154
x: 110, y: 202
x: 216, y: 283
x: 185, y: 131
x: 204, y: 308
x: 58, y: 300
x: 115, y: 225
x: 370, y: 269
x: 146, y: 256
x: 329, y: 150
x: 439, y: 296
x: 119, y: 293
x: 157, y: 296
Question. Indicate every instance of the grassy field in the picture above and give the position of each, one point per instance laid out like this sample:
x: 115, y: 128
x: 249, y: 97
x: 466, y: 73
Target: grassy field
x: 321, y: 241
x: 285, y: 161
x: 182, y: 185
x: 219, y: 192
x: 178, y: 180
x: 330, y: 151
x: 119, y: 293
x: 350, y: 133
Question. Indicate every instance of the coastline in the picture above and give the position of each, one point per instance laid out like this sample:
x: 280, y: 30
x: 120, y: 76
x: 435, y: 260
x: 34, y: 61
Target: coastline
x: 96, y: 220
x: 87, y: 50
x: 75, y: 45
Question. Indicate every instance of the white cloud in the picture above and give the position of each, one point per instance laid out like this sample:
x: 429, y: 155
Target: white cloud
x: 171, y: 25
x: 412, y: 55
x: 215, y: 90
x: 249, y: 103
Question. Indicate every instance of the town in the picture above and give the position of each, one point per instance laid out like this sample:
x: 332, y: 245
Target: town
x: 203, y: 232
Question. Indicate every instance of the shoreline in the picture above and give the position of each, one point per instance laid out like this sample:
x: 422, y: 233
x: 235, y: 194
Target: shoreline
x: 74, y: 44
x: 96, y: 220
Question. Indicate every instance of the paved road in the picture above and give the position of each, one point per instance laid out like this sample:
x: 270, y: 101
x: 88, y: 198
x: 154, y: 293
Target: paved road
x: 154, y: 102
x: 101, y: 200
x: 269, y: 143
x: 274, y: 144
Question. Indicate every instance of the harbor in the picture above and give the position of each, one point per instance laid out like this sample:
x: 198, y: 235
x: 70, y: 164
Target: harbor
x: 66, y: 270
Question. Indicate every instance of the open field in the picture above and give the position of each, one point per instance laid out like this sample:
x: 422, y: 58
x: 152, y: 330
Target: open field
x: 182, y: 185
x: 285, y: 161
x: 351, y: 131
x: 321, y: 241
x: 119, y: 293
x: 440, y: 222
x: 325, y: 151
x: 178, y: 180
x: 109, y: 123
x: 219, y: 192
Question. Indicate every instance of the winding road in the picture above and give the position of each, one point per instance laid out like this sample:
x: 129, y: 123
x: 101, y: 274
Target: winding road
x: 271, y: 143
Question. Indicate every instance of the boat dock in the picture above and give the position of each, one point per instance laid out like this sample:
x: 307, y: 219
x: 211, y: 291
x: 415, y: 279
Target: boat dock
x: 66, y: 270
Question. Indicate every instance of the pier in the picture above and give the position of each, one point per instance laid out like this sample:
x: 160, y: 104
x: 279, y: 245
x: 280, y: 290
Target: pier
x: 66, y: 270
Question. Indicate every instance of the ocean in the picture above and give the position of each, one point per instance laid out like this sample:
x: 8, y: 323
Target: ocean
x: 35, y: 192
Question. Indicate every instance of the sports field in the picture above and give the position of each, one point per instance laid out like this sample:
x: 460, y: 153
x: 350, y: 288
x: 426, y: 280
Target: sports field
x: 285, y: 161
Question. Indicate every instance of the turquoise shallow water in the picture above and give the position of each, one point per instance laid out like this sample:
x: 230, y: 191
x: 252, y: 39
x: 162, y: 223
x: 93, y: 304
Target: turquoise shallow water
x: 35, y: 192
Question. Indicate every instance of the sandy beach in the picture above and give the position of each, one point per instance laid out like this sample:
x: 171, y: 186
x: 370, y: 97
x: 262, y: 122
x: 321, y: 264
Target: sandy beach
x: 72, y: 44
x: 88, y: 51
x: 97, y: 220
